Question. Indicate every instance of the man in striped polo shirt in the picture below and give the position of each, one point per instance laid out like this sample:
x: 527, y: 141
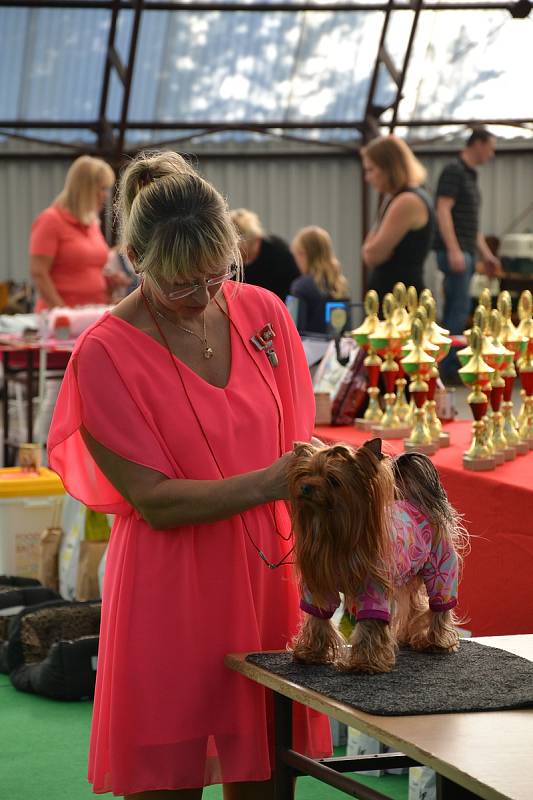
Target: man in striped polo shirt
x: 458, y: 238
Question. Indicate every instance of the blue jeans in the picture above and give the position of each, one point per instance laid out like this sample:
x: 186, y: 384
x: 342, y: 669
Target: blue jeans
x: 456, y: 306
x: 456, y: 292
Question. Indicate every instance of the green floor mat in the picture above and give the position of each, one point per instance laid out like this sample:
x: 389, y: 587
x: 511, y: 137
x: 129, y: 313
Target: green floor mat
x: 43, y: 753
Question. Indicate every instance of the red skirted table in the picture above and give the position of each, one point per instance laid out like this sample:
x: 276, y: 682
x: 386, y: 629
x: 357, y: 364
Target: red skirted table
x: 496, y: 590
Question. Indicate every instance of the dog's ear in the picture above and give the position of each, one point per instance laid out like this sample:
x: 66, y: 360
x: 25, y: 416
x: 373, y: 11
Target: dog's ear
x: 374, y: 445
x: 303, y: 449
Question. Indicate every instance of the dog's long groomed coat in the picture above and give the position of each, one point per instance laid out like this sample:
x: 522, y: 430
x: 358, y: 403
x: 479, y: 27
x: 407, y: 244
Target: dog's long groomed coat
x: 382, y: 532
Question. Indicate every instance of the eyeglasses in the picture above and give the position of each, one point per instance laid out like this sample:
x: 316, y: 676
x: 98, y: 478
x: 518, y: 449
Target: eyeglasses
x: 185, y: 291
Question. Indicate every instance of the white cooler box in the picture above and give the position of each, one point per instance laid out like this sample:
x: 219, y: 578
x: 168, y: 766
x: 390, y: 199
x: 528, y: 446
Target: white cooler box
x: 516, y: 252
x: 29, y: 503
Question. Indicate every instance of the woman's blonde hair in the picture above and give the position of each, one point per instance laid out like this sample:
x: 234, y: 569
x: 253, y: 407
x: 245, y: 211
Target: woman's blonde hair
x: 83, y: 182
x: 400, y: 165
x: 321, y: 261
x: 247, y: 223
x: 173, y: 220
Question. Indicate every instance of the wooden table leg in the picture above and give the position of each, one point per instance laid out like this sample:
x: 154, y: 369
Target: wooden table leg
x: 284, y: 777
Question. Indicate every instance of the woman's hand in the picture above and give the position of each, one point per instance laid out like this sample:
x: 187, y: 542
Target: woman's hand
x: 275, y: 478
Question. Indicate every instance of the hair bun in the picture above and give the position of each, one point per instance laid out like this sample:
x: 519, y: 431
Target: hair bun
x: 145, y: 178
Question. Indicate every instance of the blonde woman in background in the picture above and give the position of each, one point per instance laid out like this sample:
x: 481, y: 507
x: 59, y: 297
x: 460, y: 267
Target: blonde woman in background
x: 396, y: 247
x: 321, y: 278
x: 67, y: 249
x: 267, y: 260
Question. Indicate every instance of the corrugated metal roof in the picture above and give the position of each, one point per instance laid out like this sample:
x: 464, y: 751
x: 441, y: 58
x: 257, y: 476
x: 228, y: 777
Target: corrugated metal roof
x: 261, y: 66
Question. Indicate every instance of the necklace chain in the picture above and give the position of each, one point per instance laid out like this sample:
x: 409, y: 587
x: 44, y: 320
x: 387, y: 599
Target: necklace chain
x: 208, y: 350
x: 284, y: 560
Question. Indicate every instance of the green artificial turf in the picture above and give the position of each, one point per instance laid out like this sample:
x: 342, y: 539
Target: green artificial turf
x: 43, y: 754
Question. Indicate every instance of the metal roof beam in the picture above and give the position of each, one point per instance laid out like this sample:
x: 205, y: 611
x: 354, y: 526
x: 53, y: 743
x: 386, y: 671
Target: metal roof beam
x: 92, y: 125
x: 386, y: 59
x: 519, y: 9
x: 116, y: 61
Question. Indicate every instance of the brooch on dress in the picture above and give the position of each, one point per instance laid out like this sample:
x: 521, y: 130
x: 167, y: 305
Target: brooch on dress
x: 262, y: 340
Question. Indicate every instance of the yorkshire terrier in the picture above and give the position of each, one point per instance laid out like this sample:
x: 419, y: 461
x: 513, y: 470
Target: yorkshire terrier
x: 382, y: 532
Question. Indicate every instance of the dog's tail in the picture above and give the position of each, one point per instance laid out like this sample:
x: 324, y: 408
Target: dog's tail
x: 417, y: 480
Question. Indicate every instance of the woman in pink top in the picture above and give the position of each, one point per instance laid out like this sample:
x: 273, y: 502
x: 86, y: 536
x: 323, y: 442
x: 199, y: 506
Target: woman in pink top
x: 67, y: 249
x: 178, y: 413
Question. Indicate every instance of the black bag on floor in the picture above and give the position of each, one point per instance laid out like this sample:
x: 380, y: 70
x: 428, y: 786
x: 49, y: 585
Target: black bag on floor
x: 53, y: 647
x: 15, y: 580
x: 12, y: 597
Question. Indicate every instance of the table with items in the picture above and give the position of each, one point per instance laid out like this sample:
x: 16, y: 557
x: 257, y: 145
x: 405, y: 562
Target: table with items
x: 476, y: 754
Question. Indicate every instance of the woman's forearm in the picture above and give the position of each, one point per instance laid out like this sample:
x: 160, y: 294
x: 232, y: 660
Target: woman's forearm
x: 174, y: 502
x: 170, y: 502
x: 47, y: 290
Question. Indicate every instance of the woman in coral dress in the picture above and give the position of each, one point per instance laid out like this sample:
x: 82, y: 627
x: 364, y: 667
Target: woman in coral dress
x: 172, y: 418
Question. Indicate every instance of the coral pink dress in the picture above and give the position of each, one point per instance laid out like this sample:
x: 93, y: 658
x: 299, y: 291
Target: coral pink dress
x: 168, y: 714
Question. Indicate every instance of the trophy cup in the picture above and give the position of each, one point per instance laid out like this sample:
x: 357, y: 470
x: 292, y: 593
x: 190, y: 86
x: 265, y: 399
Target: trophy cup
x: 476, y: 374
x: 387, y: 342
x: 401, y: 315
x: 412, y: 303
x: 485, y: 300
x: 417, y: 364
x: 525, y: 369
x: 437, y: 337
x: 372, y: 361
x: 428, y: 302
x: 402, y: 321
x: 516, y: 344
x: 497, y: 360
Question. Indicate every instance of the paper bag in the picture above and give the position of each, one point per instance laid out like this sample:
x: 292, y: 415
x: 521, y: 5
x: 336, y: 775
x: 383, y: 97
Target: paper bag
x: 49, y: 557
x: 90, y: 555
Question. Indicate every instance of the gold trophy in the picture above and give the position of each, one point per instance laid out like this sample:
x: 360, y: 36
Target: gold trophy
x: 516, y: 345
x: 417, y: 364
x: 476, y: 374
x: 372, y: 361
x: 525, y: 368
x: 480, y: 321
x: 402, y: 321
x: 412, y: 303
x: 497, y: 360
x: 387, y: 341
x: 437, y: 336
x: 401, y: 315
x: 485, y: 300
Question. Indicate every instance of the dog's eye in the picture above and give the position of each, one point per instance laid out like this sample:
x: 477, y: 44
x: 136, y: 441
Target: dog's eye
x: 306, y: 490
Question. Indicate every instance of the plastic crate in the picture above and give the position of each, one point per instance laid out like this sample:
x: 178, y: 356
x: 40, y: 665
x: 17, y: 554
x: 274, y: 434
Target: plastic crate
x: 29, y: 503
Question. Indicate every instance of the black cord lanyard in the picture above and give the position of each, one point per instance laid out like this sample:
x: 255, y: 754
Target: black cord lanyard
x: 263, y: 557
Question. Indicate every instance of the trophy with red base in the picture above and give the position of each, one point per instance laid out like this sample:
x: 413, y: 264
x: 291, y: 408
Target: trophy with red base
x: 417, y: 363
x: 476, y: 374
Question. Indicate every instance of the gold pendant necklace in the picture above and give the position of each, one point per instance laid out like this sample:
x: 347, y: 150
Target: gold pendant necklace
x: 207, y: 351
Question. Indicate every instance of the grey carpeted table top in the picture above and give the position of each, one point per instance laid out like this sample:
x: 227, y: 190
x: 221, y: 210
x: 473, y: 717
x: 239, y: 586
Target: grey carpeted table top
x: 476, y: 678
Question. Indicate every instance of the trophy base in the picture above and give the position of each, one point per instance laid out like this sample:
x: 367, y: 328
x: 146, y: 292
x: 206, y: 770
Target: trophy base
x: 510, y: 453
x: 364, y: 424
x: 427, y: 449
x: 392, y: 433
x: 478, y: 464
x: 444, y: 439
x: 499, y: 457
x: 522, y: 448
